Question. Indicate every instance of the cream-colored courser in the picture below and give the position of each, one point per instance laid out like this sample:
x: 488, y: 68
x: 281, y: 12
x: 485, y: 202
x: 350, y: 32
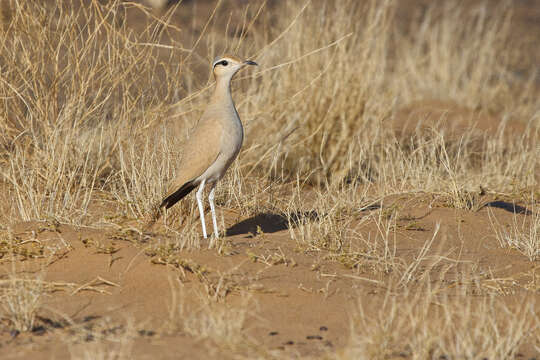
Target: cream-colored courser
x: 213, y: 143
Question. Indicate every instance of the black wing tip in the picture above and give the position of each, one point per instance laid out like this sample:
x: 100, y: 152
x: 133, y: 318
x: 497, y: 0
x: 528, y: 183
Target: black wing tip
x: 164, y: 203
x: 177, y: 195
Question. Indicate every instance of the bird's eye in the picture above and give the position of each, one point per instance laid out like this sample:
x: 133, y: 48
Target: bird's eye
x: 224, y: 63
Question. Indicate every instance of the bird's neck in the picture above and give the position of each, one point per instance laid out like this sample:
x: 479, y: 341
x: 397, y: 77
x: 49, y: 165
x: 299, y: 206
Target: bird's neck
x: 222, y: 92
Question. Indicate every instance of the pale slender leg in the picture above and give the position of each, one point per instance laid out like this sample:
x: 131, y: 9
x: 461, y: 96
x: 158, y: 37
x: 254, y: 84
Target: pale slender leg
x: 213, y: 210
x: 201, y: 209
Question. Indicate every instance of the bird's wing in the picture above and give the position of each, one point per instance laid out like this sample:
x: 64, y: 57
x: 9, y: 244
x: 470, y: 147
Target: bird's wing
x: 199, y: 152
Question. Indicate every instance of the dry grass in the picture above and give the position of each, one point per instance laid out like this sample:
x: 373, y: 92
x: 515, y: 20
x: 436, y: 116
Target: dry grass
x: 104, y: 340
x: 21, y: 299
x: 522, y: 234
x: 431, y: 322
x: 92, y: 111
x: 222, y: 323
x: 462, y: 54
x: 87, y: 129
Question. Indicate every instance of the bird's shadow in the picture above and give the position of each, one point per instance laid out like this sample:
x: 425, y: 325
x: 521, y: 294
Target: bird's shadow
x: 271, y: 222
x: 510, y: 207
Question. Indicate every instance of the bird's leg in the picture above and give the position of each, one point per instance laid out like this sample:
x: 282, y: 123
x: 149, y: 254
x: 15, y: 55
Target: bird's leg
x: 213, y: 210
x: 201, y: 209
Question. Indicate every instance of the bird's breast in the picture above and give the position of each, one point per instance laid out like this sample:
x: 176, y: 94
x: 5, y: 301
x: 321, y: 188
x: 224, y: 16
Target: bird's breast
x: 233, y: 135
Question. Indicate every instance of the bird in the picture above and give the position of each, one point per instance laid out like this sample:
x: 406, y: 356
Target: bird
x: 212, y: 145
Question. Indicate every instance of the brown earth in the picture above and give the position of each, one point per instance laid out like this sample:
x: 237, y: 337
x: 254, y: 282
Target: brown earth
x: 300, y: 302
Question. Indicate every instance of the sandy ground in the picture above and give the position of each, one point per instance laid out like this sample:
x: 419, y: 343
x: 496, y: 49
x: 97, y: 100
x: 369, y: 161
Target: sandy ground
x: 299, y: 304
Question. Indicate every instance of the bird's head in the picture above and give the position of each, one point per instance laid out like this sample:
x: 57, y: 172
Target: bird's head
x: 227, y: 65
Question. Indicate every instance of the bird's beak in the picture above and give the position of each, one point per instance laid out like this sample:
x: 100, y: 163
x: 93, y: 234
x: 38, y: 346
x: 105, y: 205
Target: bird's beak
x: 249, y: 62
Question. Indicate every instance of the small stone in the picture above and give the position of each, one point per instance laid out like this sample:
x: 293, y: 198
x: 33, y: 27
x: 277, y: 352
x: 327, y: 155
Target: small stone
x: 256, y: 287
x: 273, y: 333
x: 323, y: 328
x: 314, y: 337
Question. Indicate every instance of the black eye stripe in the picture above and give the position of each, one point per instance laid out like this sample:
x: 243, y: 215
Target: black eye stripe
x: 221, y: 62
